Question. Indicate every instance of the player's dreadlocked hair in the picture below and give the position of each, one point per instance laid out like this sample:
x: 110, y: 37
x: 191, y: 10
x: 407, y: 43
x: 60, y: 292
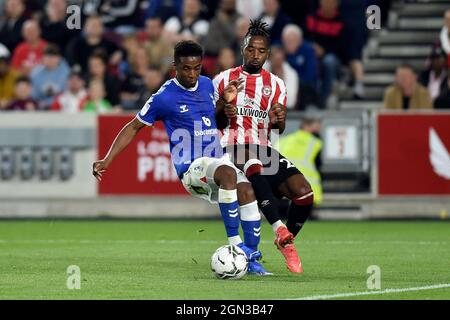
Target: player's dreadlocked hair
x: 187, y: 49
x: 258, y: 28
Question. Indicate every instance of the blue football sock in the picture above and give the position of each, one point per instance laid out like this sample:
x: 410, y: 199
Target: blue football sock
x: 229, y: 208
x: 251, y: 224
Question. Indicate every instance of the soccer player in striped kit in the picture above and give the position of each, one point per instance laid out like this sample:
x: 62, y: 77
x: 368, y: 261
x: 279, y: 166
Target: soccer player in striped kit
x: 247, y: 121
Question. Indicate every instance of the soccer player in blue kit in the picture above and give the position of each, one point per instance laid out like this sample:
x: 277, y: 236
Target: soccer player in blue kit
x: 186, y: 106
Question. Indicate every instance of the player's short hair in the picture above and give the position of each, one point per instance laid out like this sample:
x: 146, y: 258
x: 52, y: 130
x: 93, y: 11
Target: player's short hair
x: 187, y: 48
x: 258, y: 28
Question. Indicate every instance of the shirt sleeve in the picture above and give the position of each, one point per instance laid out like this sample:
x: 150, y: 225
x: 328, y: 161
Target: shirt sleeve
x: 218, y: 86
x: 281, y: 93
x: 151, y: 111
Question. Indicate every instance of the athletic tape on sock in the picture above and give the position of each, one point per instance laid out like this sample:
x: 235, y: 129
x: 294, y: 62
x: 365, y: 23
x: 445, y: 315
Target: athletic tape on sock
x: 250, y: 212
x: 227, y: 196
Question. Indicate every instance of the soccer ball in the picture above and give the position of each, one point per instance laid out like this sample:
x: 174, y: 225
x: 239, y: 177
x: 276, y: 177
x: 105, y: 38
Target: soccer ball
x: 229, y: 262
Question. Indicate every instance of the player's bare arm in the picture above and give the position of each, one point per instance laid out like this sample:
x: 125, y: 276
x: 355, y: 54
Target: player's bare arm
x: 277, y: 116
x: 123, y: 139
x: 224, y: 107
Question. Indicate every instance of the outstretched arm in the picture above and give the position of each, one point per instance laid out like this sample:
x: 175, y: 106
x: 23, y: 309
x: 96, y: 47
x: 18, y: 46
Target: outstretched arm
x: 123, y: 139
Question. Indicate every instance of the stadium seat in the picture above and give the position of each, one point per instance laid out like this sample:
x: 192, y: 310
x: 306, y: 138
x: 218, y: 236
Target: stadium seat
x: 66, y: 163
x: 45, y: 163
x: 7, y: 163
x: 26, y: 164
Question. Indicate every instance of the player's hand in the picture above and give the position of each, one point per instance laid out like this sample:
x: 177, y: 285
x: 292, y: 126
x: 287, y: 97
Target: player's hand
x: 232, y: 89
x: 98, y: 168
x: 229, y: 110
x: 277, y: 115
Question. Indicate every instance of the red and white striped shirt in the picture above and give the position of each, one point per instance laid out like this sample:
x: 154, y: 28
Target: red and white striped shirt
x: 261, y: 91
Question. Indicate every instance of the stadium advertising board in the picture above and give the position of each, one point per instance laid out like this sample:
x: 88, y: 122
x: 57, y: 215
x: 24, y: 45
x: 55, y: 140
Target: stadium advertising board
x: 342, y: 142
x: 413, y: 154
x: 145, y: 168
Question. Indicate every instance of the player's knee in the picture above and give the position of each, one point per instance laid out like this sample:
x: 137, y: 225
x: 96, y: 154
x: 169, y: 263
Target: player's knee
x: 304, y: 195
x: 226, y: 177
x: 245, y: 193
x: 253, y: 166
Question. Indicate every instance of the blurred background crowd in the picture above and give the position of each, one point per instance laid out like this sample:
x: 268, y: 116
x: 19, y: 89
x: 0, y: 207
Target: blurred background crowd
x: 123, y: 52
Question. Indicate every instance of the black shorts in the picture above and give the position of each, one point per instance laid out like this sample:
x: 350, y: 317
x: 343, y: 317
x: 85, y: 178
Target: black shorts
x: 277, y: 168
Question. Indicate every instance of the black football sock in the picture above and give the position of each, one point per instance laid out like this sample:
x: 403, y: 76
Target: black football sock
x: 297, y: 216
x: 267, y: 202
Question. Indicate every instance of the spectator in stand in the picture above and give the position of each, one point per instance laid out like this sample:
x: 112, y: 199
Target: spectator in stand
x: 435, y: 77
x: 134, y: 82
x: 325, y: 28
x: 159, y: 51
x: 225, y: 61
x: 355, y: 37
x: 241, y: 28
x: 209, y: 9
x: 98, y: 71
x: 298, y: 10
x: 82, y: 47
x: 445, y: 35
x: 406, y: 93
x: 28, y: 54
x: 88, y: 8
x: 74, y: 97
x: 153, y: 79
x: 443, y: 101
x: 53, y: 24
x: 251, y: 9
x: 279, y: 67
x: 22, y: 96
x: 301, y: 56
x: 97, y: 101
x: 221, y: 32
x: 130, y: 44
x: 49, y: 78
x: 275, y: 18
x: 8, y: 77
x: 164, y: 9
x: 188, y: 26
x: 11, y: 25
x: 121, y: 16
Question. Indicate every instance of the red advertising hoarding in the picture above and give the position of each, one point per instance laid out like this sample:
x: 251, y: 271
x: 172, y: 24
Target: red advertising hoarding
x: 413, y: 154
x: 144, y: 167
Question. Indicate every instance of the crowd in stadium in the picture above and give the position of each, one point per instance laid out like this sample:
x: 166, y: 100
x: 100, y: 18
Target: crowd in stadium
x: 123, y: 51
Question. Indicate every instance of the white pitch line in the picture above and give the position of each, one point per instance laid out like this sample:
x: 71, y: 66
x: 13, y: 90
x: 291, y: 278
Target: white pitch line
x: 365, y: 293
x: 180, y: 241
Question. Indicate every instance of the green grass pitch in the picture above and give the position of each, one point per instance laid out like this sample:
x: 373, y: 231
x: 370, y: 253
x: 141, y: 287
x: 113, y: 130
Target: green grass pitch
x: 171, y: 260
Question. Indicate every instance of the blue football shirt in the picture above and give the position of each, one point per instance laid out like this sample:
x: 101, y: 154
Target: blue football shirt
x: 188, y: 115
